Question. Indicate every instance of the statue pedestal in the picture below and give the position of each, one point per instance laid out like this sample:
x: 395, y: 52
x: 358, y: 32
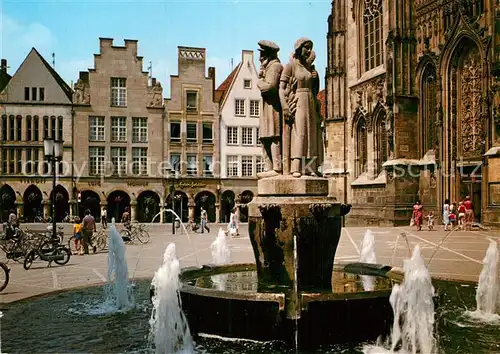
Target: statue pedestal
x: 294, y: 228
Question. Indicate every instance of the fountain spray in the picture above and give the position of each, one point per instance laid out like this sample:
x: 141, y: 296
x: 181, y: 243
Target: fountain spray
x: 368, y: 256
x: 413, y: 306
x: 221, y: 254
x: 117, y: 289
x: 169, y: 328
x: 487, y: 288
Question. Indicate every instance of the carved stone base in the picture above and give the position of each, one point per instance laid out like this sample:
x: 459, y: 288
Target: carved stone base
x: 288, y: 185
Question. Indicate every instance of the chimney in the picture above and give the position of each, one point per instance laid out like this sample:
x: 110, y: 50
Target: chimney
x: 211, y: 75
x: 3, y: 66
x: 153, y: 81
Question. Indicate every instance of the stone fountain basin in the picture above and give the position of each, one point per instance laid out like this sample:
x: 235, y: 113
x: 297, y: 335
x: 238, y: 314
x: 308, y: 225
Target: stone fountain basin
x: 244, y: 310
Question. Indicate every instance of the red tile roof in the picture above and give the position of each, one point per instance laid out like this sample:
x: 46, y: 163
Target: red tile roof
x: 322, y: 102
x: 223, y: 88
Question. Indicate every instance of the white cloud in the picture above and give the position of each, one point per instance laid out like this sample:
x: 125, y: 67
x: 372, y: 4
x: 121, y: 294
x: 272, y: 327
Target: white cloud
x: 16, y: 38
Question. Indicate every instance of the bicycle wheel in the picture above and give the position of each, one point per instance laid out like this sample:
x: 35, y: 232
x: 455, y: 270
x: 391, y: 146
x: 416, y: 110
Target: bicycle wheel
x: 64, y: 252
x: 142, y: 236
x: 4, y: 276
x: 101, y: 243
x: 28, y: 261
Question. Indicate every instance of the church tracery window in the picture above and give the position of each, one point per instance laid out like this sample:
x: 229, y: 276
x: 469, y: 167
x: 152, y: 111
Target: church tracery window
x: 428, y: 108
x: 361, y: 146
x: 372, y: 34
x: 380, y: 141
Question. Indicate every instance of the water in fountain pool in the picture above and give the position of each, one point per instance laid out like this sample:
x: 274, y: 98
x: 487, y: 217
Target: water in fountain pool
x: 45, y: 325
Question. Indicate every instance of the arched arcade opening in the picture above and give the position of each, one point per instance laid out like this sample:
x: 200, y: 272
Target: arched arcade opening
x: 32, y: 199
x: 148, y: 207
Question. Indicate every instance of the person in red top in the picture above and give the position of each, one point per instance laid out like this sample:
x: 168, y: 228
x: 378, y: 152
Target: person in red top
x: 418, y: 213
x: 469, y: 213
x: 461, y: 214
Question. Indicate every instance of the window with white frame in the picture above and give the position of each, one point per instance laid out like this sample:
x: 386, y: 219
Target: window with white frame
x: 247, y: 135
x: 96, y: 128
x: 232, y: 135
x: 118, y: 129
x: 119, y: 92
x: 119, y: 160
x: 247, y: 166
x: 208, y: 135
x: 239, y: 107
x: 208, y: 166
x: 232, y: 166
x: 254, y: 108
x: 259, y: 164
x: 247, y: 83
x: 96, y: 160
x: 139, y: 130
x: 175, y: 162
x: 192, y: 168
x: 257, y: 137
x: 191, y: 130
x: 140, y: 161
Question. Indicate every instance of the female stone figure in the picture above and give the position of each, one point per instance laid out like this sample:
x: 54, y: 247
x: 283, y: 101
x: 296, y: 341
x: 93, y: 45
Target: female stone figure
x: 302, y: 136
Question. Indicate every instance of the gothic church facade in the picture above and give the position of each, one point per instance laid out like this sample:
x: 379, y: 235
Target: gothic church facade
x: 413, y: 107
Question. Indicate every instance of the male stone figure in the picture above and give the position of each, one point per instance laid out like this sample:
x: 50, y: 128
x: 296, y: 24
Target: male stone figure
x: 271, y: 120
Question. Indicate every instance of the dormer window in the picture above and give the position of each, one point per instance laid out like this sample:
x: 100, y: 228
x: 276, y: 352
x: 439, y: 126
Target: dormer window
x: 34, y: 94
x: 247, y: 84
x: 191, y: 100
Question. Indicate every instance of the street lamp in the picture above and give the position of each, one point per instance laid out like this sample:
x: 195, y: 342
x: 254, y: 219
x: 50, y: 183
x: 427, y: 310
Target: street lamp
x: 53, y: 150
x: 172, y: 196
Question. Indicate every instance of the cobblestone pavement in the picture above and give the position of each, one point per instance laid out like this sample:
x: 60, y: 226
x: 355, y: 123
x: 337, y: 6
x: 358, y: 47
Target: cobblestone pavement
x: 459, y: 257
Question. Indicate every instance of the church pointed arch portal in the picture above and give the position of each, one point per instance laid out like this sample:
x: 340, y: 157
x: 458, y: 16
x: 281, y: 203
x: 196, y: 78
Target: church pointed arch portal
x: 464, y: 128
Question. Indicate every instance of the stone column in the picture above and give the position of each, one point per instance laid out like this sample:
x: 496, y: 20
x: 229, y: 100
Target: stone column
x: 162, y: 213
x: 133, y: 210
x: 217, y: 212
x: 20, y: 209
x: 46, y: 208
x: 191, y: 209
x: 71, y: 208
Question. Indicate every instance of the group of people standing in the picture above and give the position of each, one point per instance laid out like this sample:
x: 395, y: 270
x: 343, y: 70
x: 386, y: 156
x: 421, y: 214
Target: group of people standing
x: 461, y: 215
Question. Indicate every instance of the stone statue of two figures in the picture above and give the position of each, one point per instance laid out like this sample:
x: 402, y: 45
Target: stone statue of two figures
x: 291, y: 123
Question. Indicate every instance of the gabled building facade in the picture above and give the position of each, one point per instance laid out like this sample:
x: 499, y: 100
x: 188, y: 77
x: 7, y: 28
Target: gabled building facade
x: 118, y: 135
x: 412, y: 103
x: 35, y: 104
x: 192, y: 136
x: 240, y: 148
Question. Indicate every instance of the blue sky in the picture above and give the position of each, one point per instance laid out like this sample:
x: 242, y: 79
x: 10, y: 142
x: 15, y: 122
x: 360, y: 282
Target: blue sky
x: 72, y: 29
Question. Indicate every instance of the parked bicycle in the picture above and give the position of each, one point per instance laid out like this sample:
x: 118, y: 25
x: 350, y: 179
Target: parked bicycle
x: 4, y: 276
x: 137, y: 232
x: 69, y: 219
x: 16, y: 243
x: 41, y: 219
x: 49, y: 251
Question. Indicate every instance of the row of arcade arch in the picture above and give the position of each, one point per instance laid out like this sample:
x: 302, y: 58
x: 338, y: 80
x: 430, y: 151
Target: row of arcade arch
x: 147, y: 205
